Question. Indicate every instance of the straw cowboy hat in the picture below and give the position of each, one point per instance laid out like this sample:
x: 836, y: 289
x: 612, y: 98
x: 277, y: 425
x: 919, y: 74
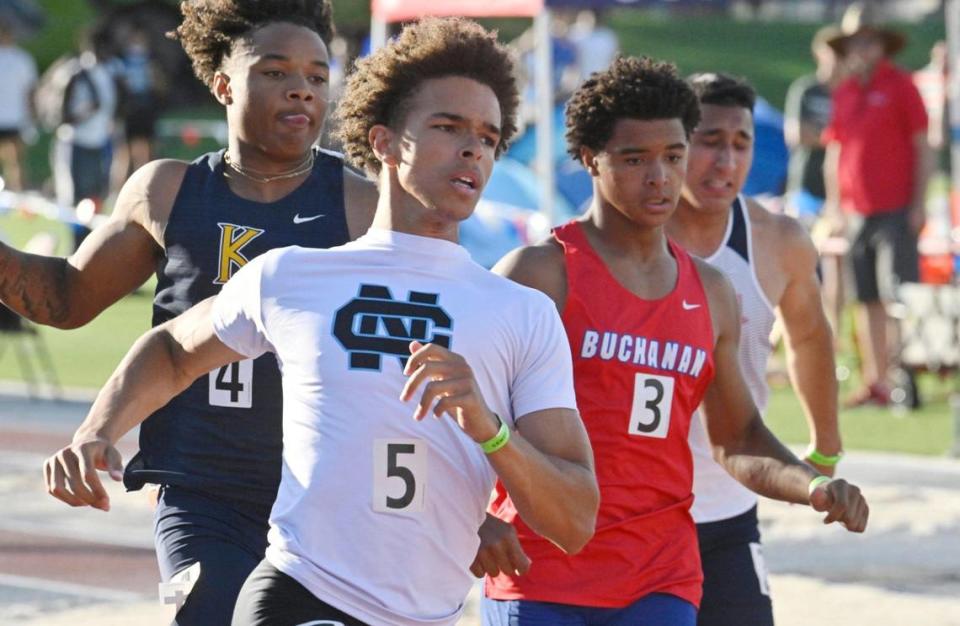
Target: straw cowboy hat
x: 859, y: 18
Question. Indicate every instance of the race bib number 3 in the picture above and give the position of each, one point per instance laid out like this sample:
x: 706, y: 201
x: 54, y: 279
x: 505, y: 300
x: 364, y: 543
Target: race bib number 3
x: 232, y: 385
x: 652, y: 402
x: 399, y: 475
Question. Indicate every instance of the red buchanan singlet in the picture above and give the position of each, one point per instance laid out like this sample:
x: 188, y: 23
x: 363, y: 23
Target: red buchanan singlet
x: 640, y: 369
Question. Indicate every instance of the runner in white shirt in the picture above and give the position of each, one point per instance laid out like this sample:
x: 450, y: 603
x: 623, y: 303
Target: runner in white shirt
x: 379, y: 505
x: 771, y: 263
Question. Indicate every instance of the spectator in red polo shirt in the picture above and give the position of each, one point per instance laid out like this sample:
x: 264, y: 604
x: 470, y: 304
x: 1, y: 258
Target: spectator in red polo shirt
x: 876, y: 172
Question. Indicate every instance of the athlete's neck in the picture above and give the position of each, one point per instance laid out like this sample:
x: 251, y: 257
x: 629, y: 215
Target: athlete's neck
x: 255, y: 175
x: 258, y: 161
x: 636, y: 255
x: 399, y: 211
x: 699, y: 231
x: 617, y: 234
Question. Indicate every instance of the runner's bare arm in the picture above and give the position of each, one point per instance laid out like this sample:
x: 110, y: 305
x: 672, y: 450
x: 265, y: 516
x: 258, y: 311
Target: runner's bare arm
x: 547, y: 464
x: 743, y: 444
x: 161, y: 364
x: 549, y: 473
x: 113, y: 260
x: 542, y: 267
x: 809, y: 340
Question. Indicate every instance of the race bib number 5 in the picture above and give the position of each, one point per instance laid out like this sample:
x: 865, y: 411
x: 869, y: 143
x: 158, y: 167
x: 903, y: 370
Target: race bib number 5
x: 652, y: 402
x: 399, y: 475
x: 232, y: 385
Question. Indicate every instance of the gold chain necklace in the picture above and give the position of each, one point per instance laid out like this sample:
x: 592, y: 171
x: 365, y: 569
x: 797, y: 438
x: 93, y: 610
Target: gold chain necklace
x: 260, y: 177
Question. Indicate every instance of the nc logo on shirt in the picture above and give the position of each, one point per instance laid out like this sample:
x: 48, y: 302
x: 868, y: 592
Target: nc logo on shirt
x: 233, y: 239
x: 374, y: 325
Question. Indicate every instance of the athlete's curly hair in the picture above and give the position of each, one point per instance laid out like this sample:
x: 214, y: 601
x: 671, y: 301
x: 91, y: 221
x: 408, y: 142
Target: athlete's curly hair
x: 381, y: 85
x: 210, y: 27
x: 637, y: 88
x: 723, y: 90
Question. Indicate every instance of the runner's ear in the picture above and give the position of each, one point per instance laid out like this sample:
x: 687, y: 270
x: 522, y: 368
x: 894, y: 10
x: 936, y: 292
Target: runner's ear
x: 221, y: 88
x: 589, y: 160
x: 381, y: 141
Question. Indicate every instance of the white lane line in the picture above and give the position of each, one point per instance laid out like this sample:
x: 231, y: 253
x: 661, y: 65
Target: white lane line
x: 71, y: 589
x: 114, y: 538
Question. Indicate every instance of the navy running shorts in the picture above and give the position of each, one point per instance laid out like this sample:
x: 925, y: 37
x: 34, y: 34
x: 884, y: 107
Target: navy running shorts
x: 735, y: 589
x: 227, y: 538
x: 271, y: 598
x: 655, y: 609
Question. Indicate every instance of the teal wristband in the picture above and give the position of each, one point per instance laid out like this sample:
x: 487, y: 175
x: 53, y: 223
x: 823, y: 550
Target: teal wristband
x: 497, y: 441
x: 819, y: 458
x: 816, y: 482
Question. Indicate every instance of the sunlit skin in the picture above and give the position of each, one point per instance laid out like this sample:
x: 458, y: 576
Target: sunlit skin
x: 439, y: 158
x: 721, y: 152
x: 637, y: 175
x: 275, y: 87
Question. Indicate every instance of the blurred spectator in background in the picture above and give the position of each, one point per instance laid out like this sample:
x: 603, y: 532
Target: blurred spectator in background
x: 81, y: 150
x: 139, y: 104
x: 16, y: 111
x: 597, y: 45
x: 807, y: 113
x: 566, y: 72
x: 876, y: 170
x: 931, y: 81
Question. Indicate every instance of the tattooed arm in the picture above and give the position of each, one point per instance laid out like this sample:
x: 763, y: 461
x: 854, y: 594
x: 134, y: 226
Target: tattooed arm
x: 113, y: 260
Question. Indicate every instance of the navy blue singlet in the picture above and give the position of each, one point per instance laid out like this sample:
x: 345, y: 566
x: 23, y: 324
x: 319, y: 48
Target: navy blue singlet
x: 223, y: 434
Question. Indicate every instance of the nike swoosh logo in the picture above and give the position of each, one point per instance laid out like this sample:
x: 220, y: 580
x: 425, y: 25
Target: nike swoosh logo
x: 689, y: 307
x: 300, y: 220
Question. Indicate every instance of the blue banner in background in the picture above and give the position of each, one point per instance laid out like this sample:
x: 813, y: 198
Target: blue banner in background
x: 612, y: 4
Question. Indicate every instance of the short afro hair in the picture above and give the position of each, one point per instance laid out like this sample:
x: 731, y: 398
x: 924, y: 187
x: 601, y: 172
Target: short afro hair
x: 381, y: 85
x: 723, y: 90
x: 211, y: 27
x: 637, y: 88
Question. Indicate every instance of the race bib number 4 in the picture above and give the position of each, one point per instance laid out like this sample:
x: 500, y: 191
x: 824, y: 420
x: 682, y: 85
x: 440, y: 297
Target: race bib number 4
x: 399, y: 475
x: 652, y: 402
x: 232, y: 385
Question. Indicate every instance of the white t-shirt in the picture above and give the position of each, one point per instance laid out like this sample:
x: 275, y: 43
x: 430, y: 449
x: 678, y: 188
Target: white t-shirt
x: 19, y: 76
x: 377, y: 514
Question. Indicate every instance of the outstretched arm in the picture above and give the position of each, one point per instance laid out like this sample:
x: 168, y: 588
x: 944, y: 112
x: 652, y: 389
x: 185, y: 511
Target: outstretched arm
x: 743, y: 444
x: 161, y: 364
x: 113, y: 260
x: 810, y: 359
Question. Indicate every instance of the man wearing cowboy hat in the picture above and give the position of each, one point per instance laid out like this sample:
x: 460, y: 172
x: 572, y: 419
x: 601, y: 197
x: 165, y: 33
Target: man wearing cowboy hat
x: 876, y: 172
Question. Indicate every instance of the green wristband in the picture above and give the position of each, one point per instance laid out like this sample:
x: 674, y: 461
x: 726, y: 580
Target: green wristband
x: 497, y: 441
x: 819, y: 458
x: 816, y: 482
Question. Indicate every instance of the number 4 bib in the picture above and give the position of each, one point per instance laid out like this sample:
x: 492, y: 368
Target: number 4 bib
x: 232, y: 385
